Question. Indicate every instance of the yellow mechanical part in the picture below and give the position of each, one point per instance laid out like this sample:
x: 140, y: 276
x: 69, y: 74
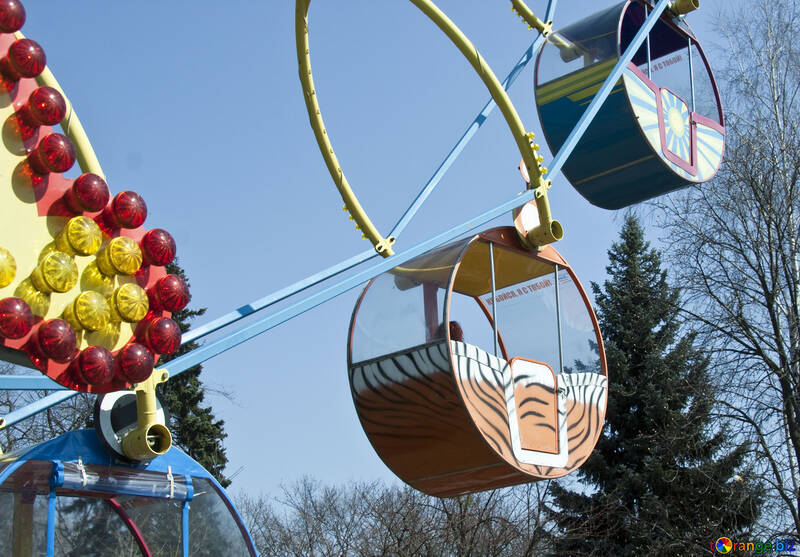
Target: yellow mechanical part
x: 81, y: 236
x: 8, y: 267
x: 121, y: 256
x: 129, y: 303
x: 150, y: 438
x: 89, y: 311
x: 682, y: 7
x: 57, y: 272
x: 484, y: 71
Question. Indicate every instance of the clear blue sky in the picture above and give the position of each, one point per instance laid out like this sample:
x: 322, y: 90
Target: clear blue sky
x: 197, y: 106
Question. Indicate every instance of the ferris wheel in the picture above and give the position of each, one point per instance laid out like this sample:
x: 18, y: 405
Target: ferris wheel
x: 474, y: 362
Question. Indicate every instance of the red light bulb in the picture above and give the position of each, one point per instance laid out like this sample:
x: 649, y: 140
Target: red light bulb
x: 128, y: 210
x: 163, y: 335
x: 25, y: 58
x: 12, y: 16
x: 46, y: 106
x: 158, y: 247
x: 135, y: 363
x: 54, y: 153
x: 169, y: 293
x: 16, y: 318
x: 96, y: 365
x: 57, y: 340
x: 89, y: 192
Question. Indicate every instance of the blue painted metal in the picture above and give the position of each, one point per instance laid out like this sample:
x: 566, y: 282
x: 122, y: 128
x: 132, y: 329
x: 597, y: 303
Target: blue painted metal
x: 185, y: 516
x: 28, y: 383
x: 213, y: 349
x: 526, y: 57
x: 275, y: 297
x: 35, y: 407
x: 51, y: 520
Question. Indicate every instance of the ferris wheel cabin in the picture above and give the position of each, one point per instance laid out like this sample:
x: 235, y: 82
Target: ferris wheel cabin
x: 661, y: 127
x: 478, y: 365
x: 70, y: 496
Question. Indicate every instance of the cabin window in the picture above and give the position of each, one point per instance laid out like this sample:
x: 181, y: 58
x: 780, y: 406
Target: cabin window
x: 588, y: 42
x: 213, y: 530
x: 672, y: 59
x: 526, y: 315
x: 705, y: 96
x: 578, y: 336
x: 403, y: 308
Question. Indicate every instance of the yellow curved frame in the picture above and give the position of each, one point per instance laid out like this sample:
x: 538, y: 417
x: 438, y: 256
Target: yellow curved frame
x: 548, y: 231
x: 71, y: 125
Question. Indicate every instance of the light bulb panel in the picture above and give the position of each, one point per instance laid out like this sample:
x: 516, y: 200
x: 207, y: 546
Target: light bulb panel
x: 46, y: 224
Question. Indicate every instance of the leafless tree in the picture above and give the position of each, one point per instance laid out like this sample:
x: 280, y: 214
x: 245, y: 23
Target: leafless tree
x: 372, y: 519
x: 736, y: 248
x: 68, y: 416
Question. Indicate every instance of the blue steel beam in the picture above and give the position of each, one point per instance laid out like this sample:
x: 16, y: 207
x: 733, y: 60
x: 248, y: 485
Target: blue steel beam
x: 471, y: 130
x: 213, y: 349
x: 28, y: 383
x: 465, y: 139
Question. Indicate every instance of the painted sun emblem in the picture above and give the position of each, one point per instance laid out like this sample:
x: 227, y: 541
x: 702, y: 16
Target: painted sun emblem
x: 676, y: 125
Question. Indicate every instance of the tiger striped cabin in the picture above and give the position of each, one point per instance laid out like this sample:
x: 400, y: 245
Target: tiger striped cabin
x: 478, y: 365
x: 661, y: 127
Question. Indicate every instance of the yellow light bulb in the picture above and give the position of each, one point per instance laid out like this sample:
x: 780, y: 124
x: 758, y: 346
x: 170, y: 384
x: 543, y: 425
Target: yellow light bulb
x: 8, y: 267
x: 121, y: 256
x: 57, y: 272
x: 89, y: 311
x: 129, y: 303
x: 81, y: 236
x: 38, y: 301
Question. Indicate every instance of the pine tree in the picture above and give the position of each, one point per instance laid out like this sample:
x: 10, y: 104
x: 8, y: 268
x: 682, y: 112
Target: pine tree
x: 660, y: 475
x: 194, y: 427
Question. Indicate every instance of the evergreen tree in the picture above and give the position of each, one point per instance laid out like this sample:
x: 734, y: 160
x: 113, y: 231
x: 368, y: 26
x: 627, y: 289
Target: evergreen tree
x: 193, y: 426
x: 660, y: 476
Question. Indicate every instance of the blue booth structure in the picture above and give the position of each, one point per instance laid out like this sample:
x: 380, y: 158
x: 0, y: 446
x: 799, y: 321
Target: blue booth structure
x: 70, y: 496
x: 662, y: 126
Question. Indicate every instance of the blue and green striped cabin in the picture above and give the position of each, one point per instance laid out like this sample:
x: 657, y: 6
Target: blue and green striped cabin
x: 660, y: 129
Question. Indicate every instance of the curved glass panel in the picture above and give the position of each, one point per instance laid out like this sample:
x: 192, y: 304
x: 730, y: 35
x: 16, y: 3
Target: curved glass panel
x: 91, y: 527
x: 474, y: 323
x: 705, y: 97
x: 578, y: 336
x: 213, y: 531
x: 669, y: 61
x: 526, y: 318
x: 159, y: 521
x: 24, y: 524
x: 403, y: 308
x: 590, y: 41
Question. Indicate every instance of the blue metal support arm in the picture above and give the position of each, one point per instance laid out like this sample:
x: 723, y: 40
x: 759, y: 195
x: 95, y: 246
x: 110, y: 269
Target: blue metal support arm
x: 28, y: 383
x: 462, y: 143
x: 526, y: 57
x: 275, y: 297
x: 215, y: 348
